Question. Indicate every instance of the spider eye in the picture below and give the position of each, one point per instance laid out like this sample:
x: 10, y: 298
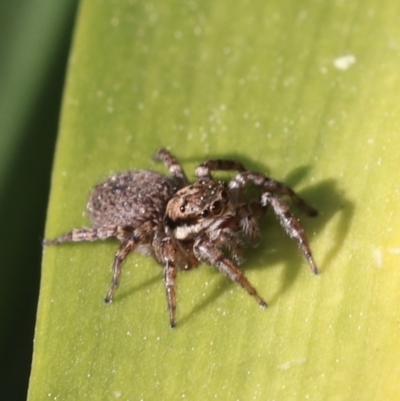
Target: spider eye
x: 216, y: 208
x: 224, y: 195
x: 205, y: 213
x: 182, y: 207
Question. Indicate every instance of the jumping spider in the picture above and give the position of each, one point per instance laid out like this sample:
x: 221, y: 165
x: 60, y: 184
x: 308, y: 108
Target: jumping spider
x: 182, y: 225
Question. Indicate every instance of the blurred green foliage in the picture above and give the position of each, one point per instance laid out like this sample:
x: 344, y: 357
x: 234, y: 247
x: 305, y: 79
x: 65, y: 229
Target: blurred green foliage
x: 35, y: 40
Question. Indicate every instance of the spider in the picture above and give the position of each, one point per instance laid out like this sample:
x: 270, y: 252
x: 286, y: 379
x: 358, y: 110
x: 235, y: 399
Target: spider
x: 182, y: 225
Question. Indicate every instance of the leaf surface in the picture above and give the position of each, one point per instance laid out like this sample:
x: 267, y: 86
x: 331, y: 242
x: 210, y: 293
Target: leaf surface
x: 306, y: 91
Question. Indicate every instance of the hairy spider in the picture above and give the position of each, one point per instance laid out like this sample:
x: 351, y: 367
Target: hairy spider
x: 182, y: 225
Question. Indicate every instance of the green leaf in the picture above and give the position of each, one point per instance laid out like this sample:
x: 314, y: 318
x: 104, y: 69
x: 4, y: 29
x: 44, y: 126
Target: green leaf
x: 307, y: 91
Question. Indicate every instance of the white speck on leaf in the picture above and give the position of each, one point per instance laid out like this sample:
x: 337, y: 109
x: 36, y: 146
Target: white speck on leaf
x: 344, y: 62
x: 293, y: 362
x: 377, y: 254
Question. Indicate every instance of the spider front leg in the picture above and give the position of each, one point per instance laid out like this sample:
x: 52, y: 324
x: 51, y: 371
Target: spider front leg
x: 204, y: 169
x: 207, y: 253
x: 291, y: 225
x: 270, y: 198
x: 172, y: 164
x: 238, y: 183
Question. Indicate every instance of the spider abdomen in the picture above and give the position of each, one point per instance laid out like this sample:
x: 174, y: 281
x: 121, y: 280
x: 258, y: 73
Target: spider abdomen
x: 130, y: 199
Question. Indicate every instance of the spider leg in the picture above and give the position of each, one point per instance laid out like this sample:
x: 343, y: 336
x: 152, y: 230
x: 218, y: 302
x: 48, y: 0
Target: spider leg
x: 91, y: 234
x: 207, y: 253
x: 172, y: 164
x: 248, y: 215
x: 204, y: 169
x: 238, y: 183
x: 123, y: 251
x: 165, y: 254
x: 291, y: 225
x: 170, y: 271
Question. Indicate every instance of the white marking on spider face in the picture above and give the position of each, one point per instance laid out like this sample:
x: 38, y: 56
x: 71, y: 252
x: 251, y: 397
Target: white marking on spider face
x: 187, y: 231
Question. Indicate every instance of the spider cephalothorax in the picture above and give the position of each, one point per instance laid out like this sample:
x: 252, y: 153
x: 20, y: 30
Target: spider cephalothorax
x: 182, y: 225
x: 195, y: 208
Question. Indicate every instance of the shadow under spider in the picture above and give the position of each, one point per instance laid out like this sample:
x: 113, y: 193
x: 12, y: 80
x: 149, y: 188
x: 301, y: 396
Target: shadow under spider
x: 121, y: 295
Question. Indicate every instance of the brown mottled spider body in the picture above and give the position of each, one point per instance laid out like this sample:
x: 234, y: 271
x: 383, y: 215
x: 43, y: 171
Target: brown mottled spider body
x: 182, y: 225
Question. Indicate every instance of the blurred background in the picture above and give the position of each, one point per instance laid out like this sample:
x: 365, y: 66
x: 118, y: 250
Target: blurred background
x: 35, y: 38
